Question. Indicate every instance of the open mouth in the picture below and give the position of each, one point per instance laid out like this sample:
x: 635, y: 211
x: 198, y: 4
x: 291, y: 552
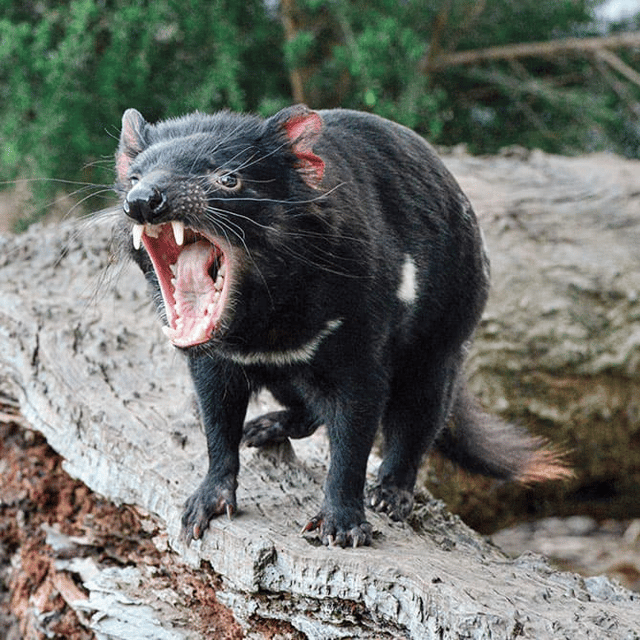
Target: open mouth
x: 194, y: 276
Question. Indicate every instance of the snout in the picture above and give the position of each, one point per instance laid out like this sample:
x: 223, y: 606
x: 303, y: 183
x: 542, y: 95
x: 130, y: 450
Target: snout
x: 146, y: 201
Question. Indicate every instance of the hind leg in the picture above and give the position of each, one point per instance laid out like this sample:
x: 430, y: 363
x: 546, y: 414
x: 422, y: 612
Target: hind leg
x: 417, y: 410
x: 296, y: 421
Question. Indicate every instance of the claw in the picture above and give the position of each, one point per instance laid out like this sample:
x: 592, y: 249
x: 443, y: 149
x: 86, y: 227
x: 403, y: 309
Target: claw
x: 312, y: 525
x: 229, y: 510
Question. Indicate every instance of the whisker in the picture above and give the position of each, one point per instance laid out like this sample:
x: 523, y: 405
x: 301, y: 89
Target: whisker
x: 104, y: 162
x: 229, y: 136
x: 34, y: 207
x: 298, y: 233
x: 55, y: 181
x: 320, y: 258
x: 84, y: 223
x: 317, y: 198
x: 243, y: 165
x: 104, y: 278
x: 214, y: 216
x: 251, y: 161
x: 266, y: 155
x: 203, y: 151
x: 80, y: 202
x: 324, y: 259
x: 232, y: 226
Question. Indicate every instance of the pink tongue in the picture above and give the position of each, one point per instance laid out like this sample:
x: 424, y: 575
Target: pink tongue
x: 193, y: 286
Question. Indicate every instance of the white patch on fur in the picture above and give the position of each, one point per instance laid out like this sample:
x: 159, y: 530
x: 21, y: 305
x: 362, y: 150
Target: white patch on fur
x: 408, y: 290
x: 300, y: 355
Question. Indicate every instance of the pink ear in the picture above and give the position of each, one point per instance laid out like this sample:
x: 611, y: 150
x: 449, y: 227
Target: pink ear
x: 131, y: 141
x: 303, y: 129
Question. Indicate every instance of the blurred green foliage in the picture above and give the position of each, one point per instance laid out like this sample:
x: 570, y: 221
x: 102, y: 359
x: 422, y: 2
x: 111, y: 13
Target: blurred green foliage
x: 560, y: 104
x: 69, y: 69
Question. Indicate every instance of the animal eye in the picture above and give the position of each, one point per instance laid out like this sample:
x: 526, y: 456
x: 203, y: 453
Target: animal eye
x: 228, y: 181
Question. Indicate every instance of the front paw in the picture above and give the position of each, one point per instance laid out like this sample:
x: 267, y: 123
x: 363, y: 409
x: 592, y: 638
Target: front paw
x: 394, y: 501
x: 213, y: 497
x: 341, y: 528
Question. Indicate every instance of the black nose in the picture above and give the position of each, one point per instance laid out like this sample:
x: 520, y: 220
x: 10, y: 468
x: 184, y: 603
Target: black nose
x: 146, y: 201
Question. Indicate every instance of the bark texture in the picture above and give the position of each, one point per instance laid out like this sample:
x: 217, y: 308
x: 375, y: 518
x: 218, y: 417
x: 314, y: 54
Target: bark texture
x: 84, y: 355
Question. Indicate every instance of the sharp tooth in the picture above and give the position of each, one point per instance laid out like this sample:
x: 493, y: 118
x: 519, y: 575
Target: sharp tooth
x: 222, y: 271
x: 174, y: 268
x: 178, y: 232
x: 136, y: 232
x: 218, y: 284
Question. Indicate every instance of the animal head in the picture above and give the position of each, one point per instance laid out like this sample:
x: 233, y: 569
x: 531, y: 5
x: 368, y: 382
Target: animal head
x: 211, y: 201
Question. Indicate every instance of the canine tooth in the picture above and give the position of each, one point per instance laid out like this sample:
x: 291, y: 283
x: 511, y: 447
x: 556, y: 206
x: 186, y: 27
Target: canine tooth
x: 178, y: 232
x: 217, y: 285
x: 136, y: 232
x: 222, y: 271
x: 174, y: 268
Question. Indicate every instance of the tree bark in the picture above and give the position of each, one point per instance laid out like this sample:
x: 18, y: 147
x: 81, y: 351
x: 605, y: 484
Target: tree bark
x: 84, y: 355
x: 287, y: 9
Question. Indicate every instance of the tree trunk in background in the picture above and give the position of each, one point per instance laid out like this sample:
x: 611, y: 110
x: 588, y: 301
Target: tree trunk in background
x: 287, y: 10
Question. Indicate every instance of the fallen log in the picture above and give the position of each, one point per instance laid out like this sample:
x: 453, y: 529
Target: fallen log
x: 84, y: 356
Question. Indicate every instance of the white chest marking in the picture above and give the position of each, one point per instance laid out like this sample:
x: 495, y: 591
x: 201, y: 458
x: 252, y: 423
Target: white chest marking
x: 408, y: 289
x: 299, y: 355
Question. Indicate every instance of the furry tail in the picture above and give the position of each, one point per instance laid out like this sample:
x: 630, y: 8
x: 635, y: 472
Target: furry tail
x: 484, y: 444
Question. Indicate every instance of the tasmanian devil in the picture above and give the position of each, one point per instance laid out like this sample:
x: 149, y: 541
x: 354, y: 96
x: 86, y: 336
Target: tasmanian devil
x: 330, y: 257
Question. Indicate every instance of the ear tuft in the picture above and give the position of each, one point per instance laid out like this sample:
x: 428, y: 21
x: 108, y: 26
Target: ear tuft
x: 132, y: 141
x: 303, y: 128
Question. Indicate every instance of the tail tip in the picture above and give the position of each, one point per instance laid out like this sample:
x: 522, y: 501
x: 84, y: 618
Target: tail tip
x: 545, y: 465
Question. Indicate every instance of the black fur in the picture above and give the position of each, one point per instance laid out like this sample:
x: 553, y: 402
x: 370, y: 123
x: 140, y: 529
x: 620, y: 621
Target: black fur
x: 331, y: 216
